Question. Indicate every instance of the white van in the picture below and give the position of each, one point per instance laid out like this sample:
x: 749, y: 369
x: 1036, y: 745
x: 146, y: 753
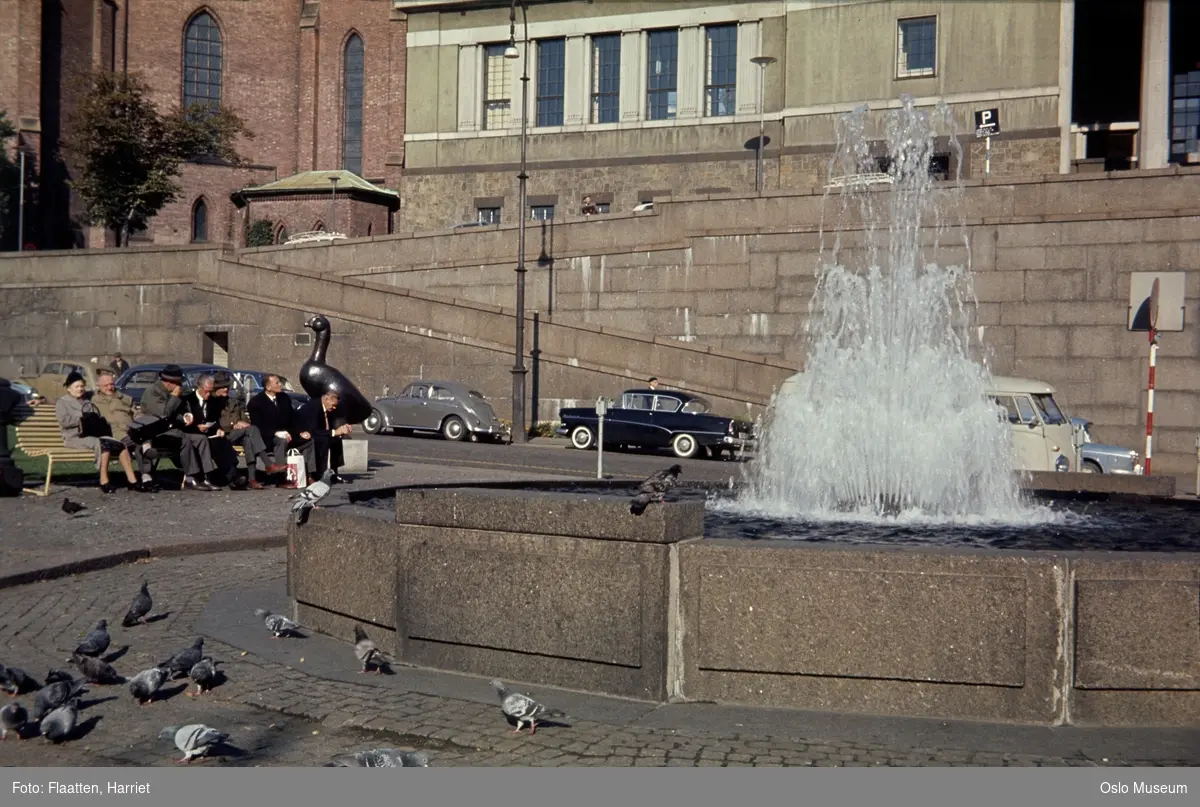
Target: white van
x: 1044, y: 438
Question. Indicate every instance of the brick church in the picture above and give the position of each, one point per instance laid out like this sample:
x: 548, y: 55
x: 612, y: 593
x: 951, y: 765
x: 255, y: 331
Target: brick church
x: 320, y: 84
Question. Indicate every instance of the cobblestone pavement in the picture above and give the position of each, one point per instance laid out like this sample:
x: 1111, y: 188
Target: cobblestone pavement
x: 280, y: 715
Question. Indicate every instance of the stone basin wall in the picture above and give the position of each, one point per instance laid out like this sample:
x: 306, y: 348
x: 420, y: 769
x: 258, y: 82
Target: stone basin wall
x: 578, y: 593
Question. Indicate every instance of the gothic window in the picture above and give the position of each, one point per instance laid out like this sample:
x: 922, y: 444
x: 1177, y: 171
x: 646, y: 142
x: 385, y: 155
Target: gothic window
x: 352, y: 113
x: 202, y: 61
x: 200, y: 221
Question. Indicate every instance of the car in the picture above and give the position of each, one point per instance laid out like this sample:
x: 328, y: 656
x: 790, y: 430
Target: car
x: 1098, y: 458
x: 454, y: 409
x: 49, y: 382
x: 656, y: 418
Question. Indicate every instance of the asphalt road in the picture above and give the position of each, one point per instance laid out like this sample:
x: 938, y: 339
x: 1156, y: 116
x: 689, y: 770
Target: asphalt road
x: 552, y: 457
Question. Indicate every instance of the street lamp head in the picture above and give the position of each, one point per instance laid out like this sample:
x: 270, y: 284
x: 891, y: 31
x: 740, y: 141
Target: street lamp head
x: 512, y: 52
x: 763, y: 61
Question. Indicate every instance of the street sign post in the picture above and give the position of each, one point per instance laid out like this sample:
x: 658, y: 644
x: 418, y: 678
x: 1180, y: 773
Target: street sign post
x: 601, y: 409
x: 987, y: 123
x: 1150, y: 385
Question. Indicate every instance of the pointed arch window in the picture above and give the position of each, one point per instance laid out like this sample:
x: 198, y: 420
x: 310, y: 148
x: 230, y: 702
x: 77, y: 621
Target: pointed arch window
x: 202, y: 61
x: 352, y: 100
x: 200, y: 221
x: 281, y: 234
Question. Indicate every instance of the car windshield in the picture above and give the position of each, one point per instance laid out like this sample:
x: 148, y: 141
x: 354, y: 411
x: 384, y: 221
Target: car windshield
x: 696, y: 406
x: 1048, y: 409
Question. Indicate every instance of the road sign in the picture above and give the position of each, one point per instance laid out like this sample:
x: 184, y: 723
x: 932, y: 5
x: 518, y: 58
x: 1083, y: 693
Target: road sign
x: 987, y: 122
x: 1154, y: 305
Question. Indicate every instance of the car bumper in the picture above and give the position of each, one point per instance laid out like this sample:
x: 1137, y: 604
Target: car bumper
x: 494, y: 430
x: 738, y: 444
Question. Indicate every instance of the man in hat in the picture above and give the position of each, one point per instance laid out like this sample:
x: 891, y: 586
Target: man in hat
x: 118, y: 364
x: 165, y: 400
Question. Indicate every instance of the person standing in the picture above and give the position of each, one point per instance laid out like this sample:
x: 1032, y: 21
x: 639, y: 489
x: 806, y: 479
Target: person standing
x: 272, y: 416
x: 164, y: 400
x: 118, y: 364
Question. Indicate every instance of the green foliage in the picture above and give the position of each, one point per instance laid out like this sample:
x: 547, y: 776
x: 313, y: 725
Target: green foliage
x: 129, y: 153
x: 10, y: 178
x: 543, y: 428
x: 260, y: 234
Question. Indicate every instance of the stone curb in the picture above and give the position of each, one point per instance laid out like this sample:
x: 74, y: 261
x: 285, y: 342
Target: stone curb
x: 108, y: 560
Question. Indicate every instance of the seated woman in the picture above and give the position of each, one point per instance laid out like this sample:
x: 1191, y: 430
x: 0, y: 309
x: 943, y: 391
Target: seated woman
x: 70, y: 410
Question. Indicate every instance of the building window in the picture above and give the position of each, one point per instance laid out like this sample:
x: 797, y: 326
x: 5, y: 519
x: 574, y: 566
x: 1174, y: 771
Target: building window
x: 662, y: 64
x: 551, y: 60
x: 916, y: 47
x: 202, y: 62
x: 497, y: 99
x: 281, y: 235
x: 606, y: 78
x: 352, y: 106
x: 720, y: 73
x: 541, y: 212
x: 488, y: 215
x: 200, y: 221
x: 1185, y: 118
x: 108, y: 35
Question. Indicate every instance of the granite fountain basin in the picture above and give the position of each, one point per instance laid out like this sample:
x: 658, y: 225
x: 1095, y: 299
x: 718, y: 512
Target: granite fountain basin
x: 562, y: 586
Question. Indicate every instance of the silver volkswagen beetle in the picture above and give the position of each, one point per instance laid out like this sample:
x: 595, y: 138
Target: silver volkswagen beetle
x: 450, y: 407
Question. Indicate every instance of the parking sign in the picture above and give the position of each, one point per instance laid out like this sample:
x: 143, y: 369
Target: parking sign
x: 987, y: 122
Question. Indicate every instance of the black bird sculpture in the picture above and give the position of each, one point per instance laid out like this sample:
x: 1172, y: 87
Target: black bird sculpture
x: 318, y: 378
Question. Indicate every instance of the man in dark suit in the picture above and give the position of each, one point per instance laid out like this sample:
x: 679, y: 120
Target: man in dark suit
x: 321, y: 442
x: 205, y: 421
x: 272, y: 416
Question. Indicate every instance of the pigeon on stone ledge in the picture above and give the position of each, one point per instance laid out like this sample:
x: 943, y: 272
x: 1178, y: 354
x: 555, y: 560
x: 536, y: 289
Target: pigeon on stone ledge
x: 654, y: 489
x: 523, y: 708
x: 308, y: 498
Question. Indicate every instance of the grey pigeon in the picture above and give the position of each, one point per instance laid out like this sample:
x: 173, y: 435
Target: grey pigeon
x: 140, y: 607
x: 194, y: 740
x: 204, y: 673
x: 58, y: 675
x: 367, y: 653
x: 97, y: 671
x: 58, y: 725
x: 12, y: 717
x: 15, y: 681
x: 183, y: 661
x: 654, y: 488
x: 146, y: 684
x: 96, y: 642
x: 308, y: 498
x: 278, y: 624
x: 54, y: 695
x: 380, y: 758
x: 523, y: 708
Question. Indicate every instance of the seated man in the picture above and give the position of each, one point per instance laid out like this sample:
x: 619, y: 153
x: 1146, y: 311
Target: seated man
x: 165, y: 400
x: 117, y: 409
x: 271, y: 418
x: 234, y: 424
x: 206, y: 415
x: 321, y: 443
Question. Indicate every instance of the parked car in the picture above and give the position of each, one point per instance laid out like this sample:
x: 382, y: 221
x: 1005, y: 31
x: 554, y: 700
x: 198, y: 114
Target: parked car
x: 456, y: 410
x: 1098, y: 458
x: 650, y: 418
x: 137, y: 379
x: 26, y: 392
x: 49, y: 382
x: 1044, y: 438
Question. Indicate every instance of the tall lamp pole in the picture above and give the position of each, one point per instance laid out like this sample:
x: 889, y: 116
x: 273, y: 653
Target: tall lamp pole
x: 760, y: 174
x: 518, y: 371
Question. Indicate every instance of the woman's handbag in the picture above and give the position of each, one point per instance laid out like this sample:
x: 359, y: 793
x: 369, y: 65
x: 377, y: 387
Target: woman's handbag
x: 93, y: 424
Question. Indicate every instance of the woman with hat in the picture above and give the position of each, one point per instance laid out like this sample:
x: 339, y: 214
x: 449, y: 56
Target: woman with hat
x: 80, y: 422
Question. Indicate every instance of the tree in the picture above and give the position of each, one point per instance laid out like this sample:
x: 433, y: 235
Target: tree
x: 10, y: 180
x: 128, y: 154
x: 260, y: 234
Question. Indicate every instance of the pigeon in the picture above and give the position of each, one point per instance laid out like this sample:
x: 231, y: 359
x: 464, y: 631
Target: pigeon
x: 146, y: 684
x: 12, y: 718
x: 58, y: 725
x: 194, y: 740
x: 308, y: 498
x: 15, y: 681
x: 71, y: 508
x: 141, y: 606
x: 654, y: 489
x: 368, y: 654
x: 97, y: 671
x: 58, y: 675
x: 380, y: 758
x: 184, y: 660
x: 96, y: 642
x: 278, y: 624
x: 523, y: 708
x: 54, y: 695
x: 204, y: 673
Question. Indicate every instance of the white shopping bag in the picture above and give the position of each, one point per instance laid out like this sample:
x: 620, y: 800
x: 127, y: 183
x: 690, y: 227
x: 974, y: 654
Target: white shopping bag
x: 296, y: 472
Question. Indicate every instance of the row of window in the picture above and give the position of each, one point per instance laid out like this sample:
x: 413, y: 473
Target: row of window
x: 203, y: 68
x: 491, y: 214
x: 916, y: 56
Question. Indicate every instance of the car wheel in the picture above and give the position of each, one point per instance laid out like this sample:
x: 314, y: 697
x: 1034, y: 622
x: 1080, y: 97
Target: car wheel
x: 582, y: 438
x: 374, y: 422
x: 1092, y: 467
x: 685, y: 446
x: 453, y: 428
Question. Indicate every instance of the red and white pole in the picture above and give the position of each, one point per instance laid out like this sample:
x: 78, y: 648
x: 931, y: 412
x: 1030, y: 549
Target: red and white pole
x: 1150, y: 400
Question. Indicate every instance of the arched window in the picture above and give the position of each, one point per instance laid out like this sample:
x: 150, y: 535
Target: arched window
x: 352, y: 102
x: 319, y: 227
x: 200, y: 221
x: 281, y: 235
x: 202, y: 61
x: 369, y: 229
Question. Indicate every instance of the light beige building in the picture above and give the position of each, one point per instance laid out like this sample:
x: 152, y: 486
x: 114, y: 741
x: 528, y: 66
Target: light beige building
x: 629, y: 100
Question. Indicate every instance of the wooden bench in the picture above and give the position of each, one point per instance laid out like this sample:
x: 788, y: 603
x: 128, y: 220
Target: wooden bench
x: 39, y: 435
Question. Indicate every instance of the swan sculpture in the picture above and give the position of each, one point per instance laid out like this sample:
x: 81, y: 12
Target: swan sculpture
x: 318, y: 378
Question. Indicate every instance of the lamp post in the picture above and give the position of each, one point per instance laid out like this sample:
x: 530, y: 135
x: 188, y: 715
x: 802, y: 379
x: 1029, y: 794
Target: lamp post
x: 518, y: 371
x: 759, y: 174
